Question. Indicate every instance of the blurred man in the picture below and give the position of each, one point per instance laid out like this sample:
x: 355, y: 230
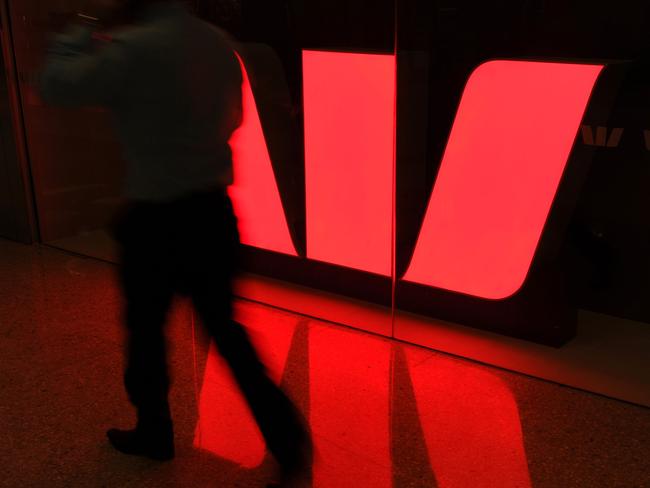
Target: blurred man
x: 173, y: 83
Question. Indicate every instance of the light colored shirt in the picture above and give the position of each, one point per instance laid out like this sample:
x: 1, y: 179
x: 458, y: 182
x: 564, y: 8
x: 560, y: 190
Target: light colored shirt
x: 173, y: 83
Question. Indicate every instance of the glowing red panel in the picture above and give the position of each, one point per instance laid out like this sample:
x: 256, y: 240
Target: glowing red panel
x: 226, y: 427
x: 349, y: 409
x: 261, y: 217
x: 349, y: 104
x: 510, y: 142
x: 470, y: 422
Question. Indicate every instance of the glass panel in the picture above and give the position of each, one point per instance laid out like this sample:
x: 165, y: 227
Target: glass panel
x: 313, y: 158
x: 76, y: 161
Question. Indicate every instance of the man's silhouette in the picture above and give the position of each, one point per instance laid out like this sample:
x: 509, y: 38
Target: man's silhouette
x: 173, y: 84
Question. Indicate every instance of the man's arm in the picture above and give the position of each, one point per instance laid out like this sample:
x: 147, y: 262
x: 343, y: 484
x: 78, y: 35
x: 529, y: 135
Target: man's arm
x: 81, y: 70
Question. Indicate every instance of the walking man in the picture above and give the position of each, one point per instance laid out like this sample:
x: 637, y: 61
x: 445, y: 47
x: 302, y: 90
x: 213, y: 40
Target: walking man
x: 173, y: 84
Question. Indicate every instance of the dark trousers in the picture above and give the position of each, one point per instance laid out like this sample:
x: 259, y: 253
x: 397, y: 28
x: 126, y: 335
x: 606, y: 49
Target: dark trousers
x: 190, y: 246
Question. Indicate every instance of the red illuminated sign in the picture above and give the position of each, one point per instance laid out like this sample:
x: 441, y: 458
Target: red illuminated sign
x: 262, y: 221
x: 508, y: 148
x: 507, y: 151
x: 349, y: 139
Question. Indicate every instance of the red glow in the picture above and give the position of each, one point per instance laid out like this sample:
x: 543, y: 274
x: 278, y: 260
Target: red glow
x: 509, y: 145
x: 349, y: 136
x: 467, y: 415
x: 470, y: 422
x: 226, y: 427
x: 349, y: 409
x: 262, y: 221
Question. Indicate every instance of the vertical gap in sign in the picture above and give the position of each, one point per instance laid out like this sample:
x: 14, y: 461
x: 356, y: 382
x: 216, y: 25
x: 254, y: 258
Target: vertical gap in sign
x: 349, y: 135
x: 261, y: 217
x: 509, y: 146
x: 393, y: 208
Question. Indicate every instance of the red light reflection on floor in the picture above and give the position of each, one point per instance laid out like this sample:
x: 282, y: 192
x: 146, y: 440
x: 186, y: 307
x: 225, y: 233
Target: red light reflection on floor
x: 349, y: 104
x: 467, y: 415
x: 261, y: 217
x: 349, y: 409
x: 510, y: 142
x: 470, y: 422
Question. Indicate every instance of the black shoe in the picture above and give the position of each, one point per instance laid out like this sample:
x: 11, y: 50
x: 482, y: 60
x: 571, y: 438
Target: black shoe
x: 158, y: 445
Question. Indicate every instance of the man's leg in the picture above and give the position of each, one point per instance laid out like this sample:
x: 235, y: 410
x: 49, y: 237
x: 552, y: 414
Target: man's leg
x: 280, y: 423
x: 213, y: 244
x: 148, y: 291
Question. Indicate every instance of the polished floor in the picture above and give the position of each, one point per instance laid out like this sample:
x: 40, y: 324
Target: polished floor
x: 383, y: 413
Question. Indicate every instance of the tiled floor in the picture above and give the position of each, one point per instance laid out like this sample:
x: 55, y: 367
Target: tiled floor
x: 383, y: 413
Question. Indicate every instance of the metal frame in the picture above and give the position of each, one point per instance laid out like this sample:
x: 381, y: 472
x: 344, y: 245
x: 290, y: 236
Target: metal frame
x: 15, y: 102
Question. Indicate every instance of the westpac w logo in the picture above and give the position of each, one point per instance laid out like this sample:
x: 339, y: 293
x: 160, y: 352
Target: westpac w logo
x: 492, y: 196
